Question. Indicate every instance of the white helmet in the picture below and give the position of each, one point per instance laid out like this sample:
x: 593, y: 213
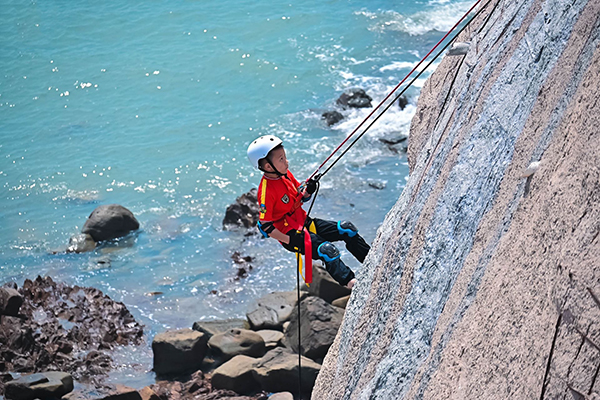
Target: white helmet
x: 259, y: 148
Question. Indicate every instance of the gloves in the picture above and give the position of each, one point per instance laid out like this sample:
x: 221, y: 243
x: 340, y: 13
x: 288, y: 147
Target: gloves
x: 311, y: 186
x: 297, y: 240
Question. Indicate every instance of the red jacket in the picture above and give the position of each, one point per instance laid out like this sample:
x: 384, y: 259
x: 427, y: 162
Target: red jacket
x: 280, y: 203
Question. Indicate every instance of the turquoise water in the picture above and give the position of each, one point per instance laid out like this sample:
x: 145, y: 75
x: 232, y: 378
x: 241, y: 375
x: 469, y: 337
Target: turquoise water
x: 151, y: 105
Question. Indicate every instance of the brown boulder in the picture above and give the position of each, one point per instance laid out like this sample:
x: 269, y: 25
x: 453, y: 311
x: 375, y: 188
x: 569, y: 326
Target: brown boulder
x: 320, y: 323
x: 324, y: 286
x: 237, y: 342
x: 277, y: 371
x: 178, y: 351
x: 236, y: 374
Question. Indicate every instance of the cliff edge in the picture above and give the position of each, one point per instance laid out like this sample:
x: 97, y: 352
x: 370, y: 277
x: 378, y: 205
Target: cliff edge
x: 484, y: 280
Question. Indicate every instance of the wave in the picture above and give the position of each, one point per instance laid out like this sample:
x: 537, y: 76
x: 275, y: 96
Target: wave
x: 440, y: 18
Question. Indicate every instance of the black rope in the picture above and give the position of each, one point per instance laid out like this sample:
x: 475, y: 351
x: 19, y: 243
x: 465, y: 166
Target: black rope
x: 299, y: 331
x: 298, y: 294
x: 403, y: 90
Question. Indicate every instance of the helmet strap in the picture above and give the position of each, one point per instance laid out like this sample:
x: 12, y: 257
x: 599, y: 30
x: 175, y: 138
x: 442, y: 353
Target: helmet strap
x: 275, y: 171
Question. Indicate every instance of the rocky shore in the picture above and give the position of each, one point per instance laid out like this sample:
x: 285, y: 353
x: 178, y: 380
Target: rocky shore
x: 53, y: 335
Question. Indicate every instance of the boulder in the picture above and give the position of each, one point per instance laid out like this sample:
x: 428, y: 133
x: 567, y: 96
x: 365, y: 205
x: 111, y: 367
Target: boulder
x: 277, y: 371
x: 178, y: 351
x: 52, y: 384
x: 108, y: 222
x: 237, y: 342
x: 211, y: 328
x: 148, y: 393
x: 332, y: 117
x: 342, y: 302
x: 320, y: 323
x: 282, y: 396
x: 272, y: 338
x: 10, y: 301
x: 324, y: 286
x: 355, y: 98
x: 81, y: 243
x: 236, y: 374
x: 243, y: 213
x: 273, y: 310
x: 121, y: 392
x: 402, y: 102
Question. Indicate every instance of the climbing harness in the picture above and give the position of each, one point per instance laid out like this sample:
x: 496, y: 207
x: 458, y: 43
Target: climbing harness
x: 315, y: 177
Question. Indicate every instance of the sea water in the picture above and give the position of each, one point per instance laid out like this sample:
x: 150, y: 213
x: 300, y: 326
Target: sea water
x: 152, y: 105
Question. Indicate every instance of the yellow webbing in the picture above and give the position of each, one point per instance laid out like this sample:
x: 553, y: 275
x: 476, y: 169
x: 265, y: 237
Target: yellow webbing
x: 263, y: 194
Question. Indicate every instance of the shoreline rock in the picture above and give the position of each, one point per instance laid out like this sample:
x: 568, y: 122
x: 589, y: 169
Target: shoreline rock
x: 64, y: 328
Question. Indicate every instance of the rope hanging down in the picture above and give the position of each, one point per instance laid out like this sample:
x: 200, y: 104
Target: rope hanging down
x: 316, y: 175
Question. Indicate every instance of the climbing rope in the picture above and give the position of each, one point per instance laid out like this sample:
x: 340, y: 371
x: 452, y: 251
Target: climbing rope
x: 316, y: 176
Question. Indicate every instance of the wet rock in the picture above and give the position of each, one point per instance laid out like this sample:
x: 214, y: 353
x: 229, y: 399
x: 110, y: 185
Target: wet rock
x: 332, y: 117
x: 178, y: 351
x: 41, y: 385
x: 108, y: 222
x: 236, y: 374
x: 355, y: 98
x: 402, y: 102
x: 81, y: 243
x: 237, y: 342
x: 65, y: 328
x: 273, y: 310
x: 272, y: 338
x: 243, y: 213
x: 277, y: 371
x: 10, y: 301
x: 324, y: 286
x: 211, y: 328
x: 376, y: 184
x: 320, y: 323
x: 342, y: 302
x: 398, y: 144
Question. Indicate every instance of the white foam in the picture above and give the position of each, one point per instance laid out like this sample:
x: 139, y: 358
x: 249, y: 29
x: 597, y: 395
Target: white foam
x: 441, y: 17
x: 398, y: 65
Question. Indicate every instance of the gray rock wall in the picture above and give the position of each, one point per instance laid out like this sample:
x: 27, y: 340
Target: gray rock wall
x: 482, y: 283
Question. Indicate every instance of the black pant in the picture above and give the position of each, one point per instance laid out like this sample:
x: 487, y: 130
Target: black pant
x: 327, y: 231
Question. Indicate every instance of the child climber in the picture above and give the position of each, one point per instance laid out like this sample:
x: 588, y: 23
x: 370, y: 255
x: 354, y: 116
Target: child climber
x: 280, y: 198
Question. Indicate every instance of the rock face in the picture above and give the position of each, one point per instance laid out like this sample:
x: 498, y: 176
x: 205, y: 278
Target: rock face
x: 110, y: 222
x: 243, y: 213
x: 482, y: 283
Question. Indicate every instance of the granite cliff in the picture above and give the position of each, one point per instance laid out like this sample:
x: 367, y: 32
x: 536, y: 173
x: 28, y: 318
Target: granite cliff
x: 484, y: 279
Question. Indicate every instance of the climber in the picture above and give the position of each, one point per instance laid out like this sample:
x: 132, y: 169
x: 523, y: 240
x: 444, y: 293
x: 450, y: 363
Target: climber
x: 280, y: 198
